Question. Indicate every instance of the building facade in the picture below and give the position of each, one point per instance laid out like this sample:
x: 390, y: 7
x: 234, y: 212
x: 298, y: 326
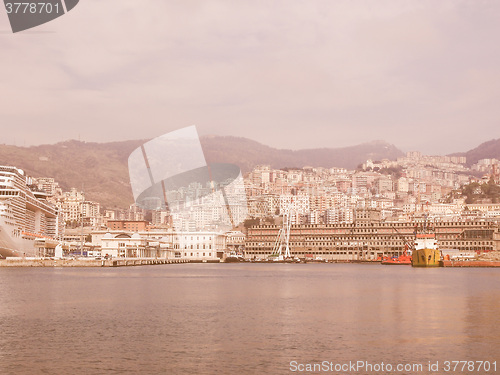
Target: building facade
x: 369, y: 240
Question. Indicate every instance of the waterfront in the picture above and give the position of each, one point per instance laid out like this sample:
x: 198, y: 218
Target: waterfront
x: 242, y: 318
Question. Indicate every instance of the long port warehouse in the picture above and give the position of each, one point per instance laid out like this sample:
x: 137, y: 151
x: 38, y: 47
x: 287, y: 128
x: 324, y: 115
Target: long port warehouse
x: 368, y: 238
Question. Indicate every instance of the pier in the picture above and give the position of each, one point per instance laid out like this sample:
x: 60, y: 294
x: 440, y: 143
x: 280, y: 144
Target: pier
x: 87, y: 262
x: 469, y: 263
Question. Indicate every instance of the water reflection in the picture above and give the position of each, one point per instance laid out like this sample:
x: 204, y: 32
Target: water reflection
x: 242, y: 318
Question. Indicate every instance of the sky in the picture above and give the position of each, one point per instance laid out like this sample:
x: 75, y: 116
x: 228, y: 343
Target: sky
x: 422, y: 75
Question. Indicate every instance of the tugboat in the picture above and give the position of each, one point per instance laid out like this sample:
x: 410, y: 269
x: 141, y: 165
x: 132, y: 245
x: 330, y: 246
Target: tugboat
x: 403, y: 259
x: 426, y: 252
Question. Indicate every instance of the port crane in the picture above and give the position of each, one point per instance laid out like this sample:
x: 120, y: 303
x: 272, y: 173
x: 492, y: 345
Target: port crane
x: 409, y: 245
x: 425, y: 227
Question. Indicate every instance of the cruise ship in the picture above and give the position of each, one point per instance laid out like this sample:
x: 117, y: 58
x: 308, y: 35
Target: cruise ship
x: 25, y: 214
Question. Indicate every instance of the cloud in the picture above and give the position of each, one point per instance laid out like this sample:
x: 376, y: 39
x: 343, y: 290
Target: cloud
x: 289, y: 73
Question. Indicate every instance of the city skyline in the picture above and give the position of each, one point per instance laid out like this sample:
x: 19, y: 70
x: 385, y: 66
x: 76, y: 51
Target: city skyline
x: 216, y: 187
x: 291, y: 75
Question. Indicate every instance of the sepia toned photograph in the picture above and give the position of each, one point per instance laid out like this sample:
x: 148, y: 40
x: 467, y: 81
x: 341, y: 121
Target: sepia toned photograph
x: 250, y: 187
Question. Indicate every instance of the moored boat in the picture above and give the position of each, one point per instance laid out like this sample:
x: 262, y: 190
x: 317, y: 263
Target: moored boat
x: 403, y: 259
x: 25, y: 215
x: 426, y: 252
x: 233, y: 257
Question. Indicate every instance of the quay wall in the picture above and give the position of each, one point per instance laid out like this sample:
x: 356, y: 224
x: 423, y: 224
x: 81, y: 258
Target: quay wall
x: 83, y: 262
x: 470, y: 263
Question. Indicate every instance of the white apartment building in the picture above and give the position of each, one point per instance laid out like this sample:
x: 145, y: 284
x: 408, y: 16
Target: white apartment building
x: 403, y: 185
x: 73, y: 207
x: 47, y: 184
x: 298, y: 203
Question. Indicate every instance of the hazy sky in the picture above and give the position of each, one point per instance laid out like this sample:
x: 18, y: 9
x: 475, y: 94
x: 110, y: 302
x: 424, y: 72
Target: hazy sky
x: 423, y: 75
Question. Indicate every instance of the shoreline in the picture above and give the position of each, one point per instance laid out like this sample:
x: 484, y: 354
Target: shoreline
x: 83, y: 262
x: 134, y: 262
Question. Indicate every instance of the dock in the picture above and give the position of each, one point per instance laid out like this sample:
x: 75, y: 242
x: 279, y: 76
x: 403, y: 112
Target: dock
x: 469, y: 263
x: 87, y: 262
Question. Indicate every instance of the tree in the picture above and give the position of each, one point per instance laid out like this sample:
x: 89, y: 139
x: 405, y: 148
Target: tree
x: 251, y: 222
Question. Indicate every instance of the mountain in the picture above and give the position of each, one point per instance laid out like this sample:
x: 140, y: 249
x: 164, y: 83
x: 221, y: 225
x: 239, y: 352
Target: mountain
x: 247, y: 153
x: 101, y: 168
x: 486, y: 150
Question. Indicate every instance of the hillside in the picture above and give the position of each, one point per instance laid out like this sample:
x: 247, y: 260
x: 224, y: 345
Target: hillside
x: 486, y: 150
x: 101, y: 168
x: 247, y: 153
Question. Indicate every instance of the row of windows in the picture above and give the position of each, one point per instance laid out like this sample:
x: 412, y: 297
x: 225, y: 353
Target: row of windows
x: 311, y: 252
x: 383, y: 225
x: 178, y: 255
x: 465, y: 243
x: 197, y: 246
x: 369, y: 240
x: 344, y: 243
x: 9, y: 192
x: 342, y: 248
x: 197, y: 238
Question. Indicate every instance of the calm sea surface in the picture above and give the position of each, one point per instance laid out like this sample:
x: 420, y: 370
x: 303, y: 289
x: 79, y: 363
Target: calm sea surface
x: 245, y: 318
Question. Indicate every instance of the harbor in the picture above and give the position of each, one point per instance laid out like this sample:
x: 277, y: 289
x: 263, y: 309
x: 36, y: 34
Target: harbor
x: 250, y: 187
x: 481, y: 261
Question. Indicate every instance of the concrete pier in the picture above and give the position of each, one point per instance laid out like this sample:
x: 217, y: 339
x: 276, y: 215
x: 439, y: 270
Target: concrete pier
x: 469, y: 263
x: 86, y: 262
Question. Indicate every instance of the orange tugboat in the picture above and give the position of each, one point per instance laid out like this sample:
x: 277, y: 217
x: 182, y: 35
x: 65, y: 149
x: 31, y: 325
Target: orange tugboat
x: 403, y: 259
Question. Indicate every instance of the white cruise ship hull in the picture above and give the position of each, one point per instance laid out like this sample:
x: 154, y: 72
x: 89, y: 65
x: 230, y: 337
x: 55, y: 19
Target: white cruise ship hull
x: 11, y: 246
x: 25, y: 214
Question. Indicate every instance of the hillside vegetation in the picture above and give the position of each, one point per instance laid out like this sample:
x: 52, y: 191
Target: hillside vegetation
x: 486, y: 150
